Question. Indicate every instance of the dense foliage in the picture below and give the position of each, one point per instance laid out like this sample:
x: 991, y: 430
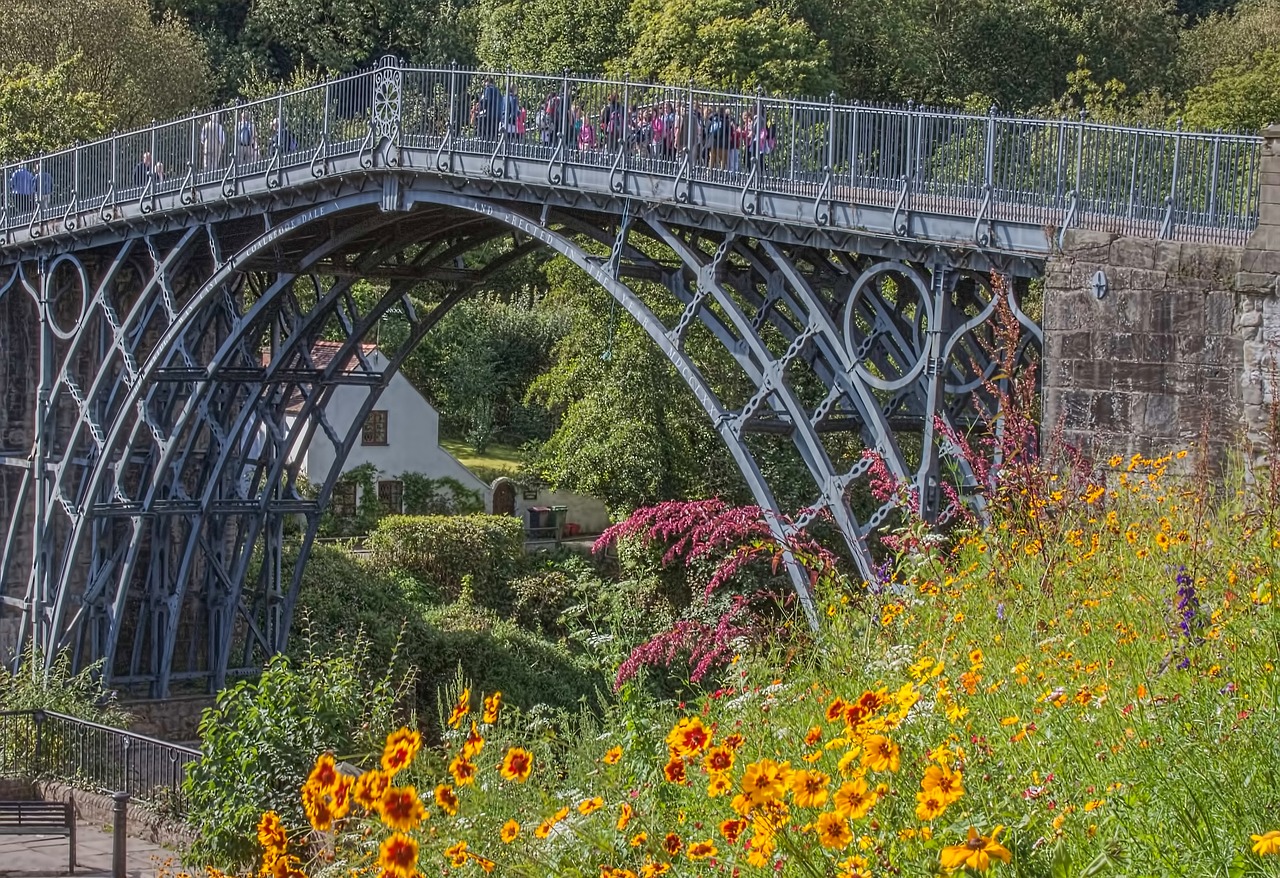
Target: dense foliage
x: 451, y: 552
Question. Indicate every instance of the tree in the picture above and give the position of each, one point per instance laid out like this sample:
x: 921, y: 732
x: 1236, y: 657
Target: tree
x: 548, y: 36
x: 1243, y: 97
x: 41, y: 111
x: 141, y: 69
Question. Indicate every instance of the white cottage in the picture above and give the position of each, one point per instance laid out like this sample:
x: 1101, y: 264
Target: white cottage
x: 400, y: 435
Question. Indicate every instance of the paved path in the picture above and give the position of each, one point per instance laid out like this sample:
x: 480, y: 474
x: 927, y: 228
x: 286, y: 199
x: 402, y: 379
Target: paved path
x: 32, y: 856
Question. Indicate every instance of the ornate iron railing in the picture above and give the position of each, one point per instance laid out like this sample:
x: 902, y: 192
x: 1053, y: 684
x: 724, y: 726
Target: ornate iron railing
x: 1056, y: 173
x: 41, y: 744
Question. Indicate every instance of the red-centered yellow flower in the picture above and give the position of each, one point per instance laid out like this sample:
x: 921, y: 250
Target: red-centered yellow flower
x: 734, y: 741
x: 612, y: 756
x: 369, y: 788
x: 447, y: 799
x: 1267, y: 843
x: 456, y: 854
x: 492, y: 706
x: 489, y: 865
x: 765, y: 780
x: 460, y: 709
x: 280, y: 866
x: 854, y: 799
x: 544, y: 829
x: 702, y: 850
x: 402, y: 745
x: 316, y: 804
x: 638, y: 839
x: 835, y: 710
x: 473, y: 745
x: 340, y: 796
x: 940, y: 779
x: 880, y: 754
x: 464, y: 772
x: 672, y: 844
x: 976, y: 853
x: 929, y: 805
x: 853, y: 867
x: 271, y: 834
x: 760, y: 848
x: 833, y: 831
x: 625, y: 813
x: 616, y: 872
x: 517, y: 765
x: 674, y: 771
x: 509, y: 831
x: 401, y: 809
x: 653, y: 870
x: 590, y: 806
x: 398, y: 856
x: 324, y: 774
x: 813, y: 736
x: 689, y: 738
x: 718, y: 786
x: 732, y: 830
x: 718, y: 760
x: 809, y: 788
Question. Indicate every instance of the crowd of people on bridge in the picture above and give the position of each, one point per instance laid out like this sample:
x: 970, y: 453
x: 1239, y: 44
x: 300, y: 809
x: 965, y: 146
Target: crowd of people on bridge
x: 715, y: 136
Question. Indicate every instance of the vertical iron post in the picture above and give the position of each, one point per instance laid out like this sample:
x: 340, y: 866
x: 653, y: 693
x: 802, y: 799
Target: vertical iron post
x: 119, y: 836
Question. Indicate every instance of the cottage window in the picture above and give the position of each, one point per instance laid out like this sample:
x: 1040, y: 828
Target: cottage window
x: 391, y: 496
x: 375, y: 428
x: 344, y: 500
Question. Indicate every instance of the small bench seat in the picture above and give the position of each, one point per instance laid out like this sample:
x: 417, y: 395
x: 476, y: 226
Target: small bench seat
x: 41, y: 818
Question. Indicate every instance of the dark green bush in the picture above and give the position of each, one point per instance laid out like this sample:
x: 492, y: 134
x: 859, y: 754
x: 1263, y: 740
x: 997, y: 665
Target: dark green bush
x: 441, y: 551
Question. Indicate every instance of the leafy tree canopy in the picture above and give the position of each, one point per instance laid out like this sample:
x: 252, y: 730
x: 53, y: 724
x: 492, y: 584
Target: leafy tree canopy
x: 42, y: 111
x: 548, y: 36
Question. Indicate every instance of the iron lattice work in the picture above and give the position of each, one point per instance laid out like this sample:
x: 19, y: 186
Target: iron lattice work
x: 160, y: 365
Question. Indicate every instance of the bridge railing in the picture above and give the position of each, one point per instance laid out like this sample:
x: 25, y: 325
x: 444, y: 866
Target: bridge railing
x: 989, y: 167
x: 45, y: 745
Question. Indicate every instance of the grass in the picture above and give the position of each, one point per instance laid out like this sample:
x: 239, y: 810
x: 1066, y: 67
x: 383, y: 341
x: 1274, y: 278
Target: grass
x: 495, y: 456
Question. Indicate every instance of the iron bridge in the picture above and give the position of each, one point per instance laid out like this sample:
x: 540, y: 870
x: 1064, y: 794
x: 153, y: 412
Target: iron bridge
x: 162, y: 292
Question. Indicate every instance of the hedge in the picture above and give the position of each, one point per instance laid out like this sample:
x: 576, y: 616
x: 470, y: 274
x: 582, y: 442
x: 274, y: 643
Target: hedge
x: 441, y: 551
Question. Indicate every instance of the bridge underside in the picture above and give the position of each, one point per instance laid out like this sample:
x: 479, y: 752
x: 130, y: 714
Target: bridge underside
x: 177, y: 369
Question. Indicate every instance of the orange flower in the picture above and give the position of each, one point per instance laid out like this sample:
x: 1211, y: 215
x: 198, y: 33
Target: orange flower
x: 689, y: 737
x: 833, y: 831
x: 492, y: 704
x: 718, y: 760
x: 765, y: 780
x: 456, y: 854
x: 517, y: 765
x: 702, y: 850
x: 672, y: 844
x: 369, y: 788
x: 976, y: 853
x: 813, y: 736
x: 316, y: 805
x: 447, y: 799
x: 398, y: 856
x: 718, y: 786
x: 612, y: 756
x: 732, y: 830
x: 880, y: 754
x: 854, y: 799
x: 625, y: 813
x: 401, y: 747
x: 809, y: 788
x: 734, y: 741
x: 473, y: 745
x: 271, y: 834
x: 835, y: 710
x: 464, y: 772
x: 940, y: 779
x: 461, y: 709
x: 401, y: 809
x: 340, y: 796
x: 590, y: 806
x: 653, y: 870
x: 674, y: 771
x: 509, y: 831
x: 324, y: 774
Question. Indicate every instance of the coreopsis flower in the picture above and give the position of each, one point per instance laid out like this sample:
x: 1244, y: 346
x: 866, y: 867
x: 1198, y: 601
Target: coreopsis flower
x: 509, y: 831
x: 833, y: 831
x: 590, y: 806
x: 324, y: 774
x: 464, y: 772
x: 718, y: 785
x: 369, y: 788
x: 612, y: 756
x: 340, y: 796
x: 760, y: 848
x: 1267, y: 843
x: 929, y: 805
x: 473, y: 745
x: 689, y: 738
x: 854, y: 867
x: 672, y: 844
x: 271, y: 834
x: 456, y: 854
x: 854, y: 799
x: 625, y: 813
x: 653, y: 870
x: 492, y: 706
x: 734, y: 741
x: 398, y: 856
x: 880, y: 754
x: 674, y: 771
x: 813, y: 736
x: 718, y: 760
x: 447, y: 799
x: 765, y: 780
x: 315, y: 802
x: 809, y: 788
x: 516, y: 765
x: 732, y: 829
x: 401, y: 809
x: 948, y: 784
x: 489, y: 865
x: 638, y: 839
x: 701, y: 850
x: 460, y: 709
x: 401, y: 747
x: 976, y: 853
x: 836, y: 709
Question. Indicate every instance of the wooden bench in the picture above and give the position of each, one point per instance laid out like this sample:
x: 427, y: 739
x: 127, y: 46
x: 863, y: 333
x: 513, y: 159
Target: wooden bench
x: 41, y: 818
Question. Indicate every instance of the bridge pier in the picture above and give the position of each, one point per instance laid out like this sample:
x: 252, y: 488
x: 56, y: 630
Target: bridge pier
x: 1182, y: 346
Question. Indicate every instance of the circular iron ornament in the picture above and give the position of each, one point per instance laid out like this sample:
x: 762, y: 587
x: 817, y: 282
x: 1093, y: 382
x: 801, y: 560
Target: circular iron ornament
x: 865, y: 285
x: 387, y: 87
x: 83, y: 276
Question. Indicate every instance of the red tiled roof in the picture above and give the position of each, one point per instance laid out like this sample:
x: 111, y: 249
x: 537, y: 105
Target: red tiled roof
x: 323, y: 354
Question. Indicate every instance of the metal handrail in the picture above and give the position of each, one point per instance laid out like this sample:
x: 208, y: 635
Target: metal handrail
x: 45, y: 744
x: 992, y: 168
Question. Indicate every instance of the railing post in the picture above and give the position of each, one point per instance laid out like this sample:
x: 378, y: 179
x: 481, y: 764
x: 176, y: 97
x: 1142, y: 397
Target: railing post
x: 853, y: 148
x: 128, y: 763
x: 119, y: 835
x: 453, y: 88
x: 1171, y: 202
x: 831, y: 135
x: 989, y: 162
x: 567, y: 140
x: 39, y: 718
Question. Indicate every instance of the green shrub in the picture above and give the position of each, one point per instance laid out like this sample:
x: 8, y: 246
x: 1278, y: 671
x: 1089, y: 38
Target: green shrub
x: 58, y: 689
x: 443, y: 496
x: 440, y: 551
x: 259, y: 741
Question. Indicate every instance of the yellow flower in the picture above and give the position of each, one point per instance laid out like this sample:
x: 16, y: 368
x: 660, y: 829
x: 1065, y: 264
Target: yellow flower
x: 638, y: 839
x: 940, y: 779
x: 612, y: 756
x: 625, y: 813
x: 976, y: 853
x: 653, y: 870
x: 880, y: 754
x: 853, y: 867
x: 732, y: 829
x: 369, y: 788
x: 473, y: 745
x: 718, y: 760
x: 813, y: 736
x: 672, y: 844
x: 833, y: 831
x: 517, y: 765
x: 509, y: 831
x: 456, y: 854
x: 492, y: 704
x: 1267, y: 843
x: 689, y: 737
x: 447, y: 799
x: 674, y: 771
x: 702, y: 850
x: 765, y: 780
x: 464, y: 772
x: 590, y: 806
x: 402, y: 745
x: 401, y: 809
x: 271, y: 834
x: 324, y: 775
x: 854, y: 799
x: 760, y: 848
x: 398, y: 856
x: 461, y: 709
x: 718, y: 786
x: 809, y: 788
x: 929, y: 805
x: 315, y: 803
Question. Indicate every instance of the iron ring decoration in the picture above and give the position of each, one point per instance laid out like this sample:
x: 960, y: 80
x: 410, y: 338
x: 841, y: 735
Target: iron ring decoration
x: 926, y: 301
x: 83, y: 276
